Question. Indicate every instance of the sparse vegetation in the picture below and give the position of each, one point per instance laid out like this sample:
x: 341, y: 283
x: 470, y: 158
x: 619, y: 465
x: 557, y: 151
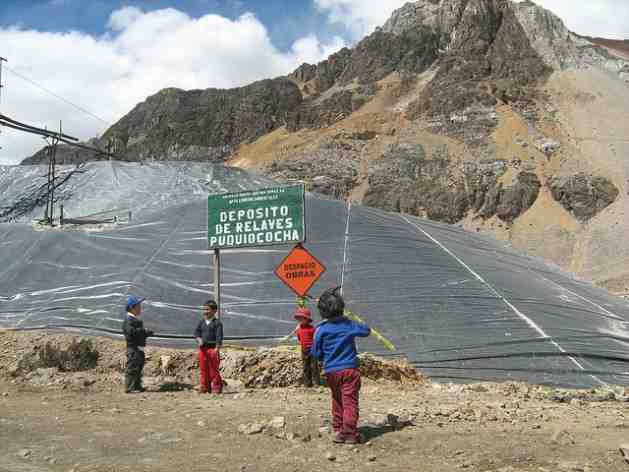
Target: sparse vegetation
x: 77, y: 356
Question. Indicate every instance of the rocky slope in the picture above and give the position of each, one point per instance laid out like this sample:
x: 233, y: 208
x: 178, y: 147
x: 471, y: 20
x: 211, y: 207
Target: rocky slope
x: 621, y: 46
x: 486, y: 113
x: 66, y: 154
x: 493, y: 135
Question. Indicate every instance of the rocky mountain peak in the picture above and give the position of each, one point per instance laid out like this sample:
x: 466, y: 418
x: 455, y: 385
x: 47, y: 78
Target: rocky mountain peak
x: 437, y: 15
x: 548, y: 35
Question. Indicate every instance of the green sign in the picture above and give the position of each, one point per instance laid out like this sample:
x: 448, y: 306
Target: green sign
x: 257, y: 218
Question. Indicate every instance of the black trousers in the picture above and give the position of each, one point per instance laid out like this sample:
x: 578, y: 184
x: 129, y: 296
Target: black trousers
x: 312, y: 375
x: 133, y: 373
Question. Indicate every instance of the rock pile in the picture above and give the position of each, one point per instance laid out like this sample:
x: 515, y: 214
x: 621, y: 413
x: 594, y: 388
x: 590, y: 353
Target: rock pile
x: 170, y: 369
x: 277, y: 368
x: 576, y: 397
x: 267, y: 368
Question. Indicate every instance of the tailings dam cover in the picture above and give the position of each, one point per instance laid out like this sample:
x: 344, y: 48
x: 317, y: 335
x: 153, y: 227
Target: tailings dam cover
x: 459, y: 305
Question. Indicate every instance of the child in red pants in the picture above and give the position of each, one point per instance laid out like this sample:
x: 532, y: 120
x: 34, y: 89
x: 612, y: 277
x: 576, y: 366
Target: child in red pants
x: 209, y: 335
x: 305, y: 334
x: 334, y: 344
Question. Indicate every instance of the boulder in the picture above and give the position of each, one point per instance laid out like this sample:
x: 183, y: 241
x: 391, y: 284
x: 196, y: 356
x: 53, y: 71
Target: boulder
x: 548, y: 146
x: 584, y: 195
x: 518, y: 198
x: 404, y: 180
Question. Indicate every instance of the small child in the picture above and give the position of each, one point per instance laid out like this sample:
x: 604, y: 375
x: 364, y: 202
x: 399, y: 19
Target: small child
x: 305, y: 334
x: 334, y: 344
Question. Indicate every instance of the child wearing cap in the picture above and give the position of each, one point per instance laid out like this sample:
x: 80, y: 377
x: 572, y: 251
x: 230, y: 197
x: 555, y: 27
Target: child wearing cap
x: 305, y: 334
x: 135, y: 335
x: 334, y: 344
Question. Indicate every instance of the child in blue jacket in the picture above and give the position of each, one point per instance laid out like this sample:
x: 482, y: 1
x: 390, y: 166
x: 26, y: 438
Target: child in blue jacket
x: 334, y: 345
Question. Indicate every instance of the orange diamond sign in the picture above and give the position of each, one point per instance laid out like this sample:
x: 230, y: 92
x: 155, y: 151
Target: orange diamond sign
x: 300, y: 270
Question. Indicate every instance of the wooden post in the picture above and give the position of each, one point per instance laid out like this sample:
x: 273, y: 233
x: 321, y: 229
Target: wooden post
x: 55, y: 142
x: 53, y: 165
x: 217, y: 280
x: 47, y: 211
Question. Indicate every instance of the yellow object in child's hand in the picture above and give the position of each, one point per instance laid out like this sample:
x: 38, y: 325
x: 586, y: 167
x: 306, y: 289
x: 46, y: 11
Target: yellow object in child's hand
x: 387, y: 344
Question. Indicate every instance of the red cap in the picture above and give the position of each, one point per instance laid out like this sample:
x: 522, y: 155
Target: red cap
x: 303, y: 313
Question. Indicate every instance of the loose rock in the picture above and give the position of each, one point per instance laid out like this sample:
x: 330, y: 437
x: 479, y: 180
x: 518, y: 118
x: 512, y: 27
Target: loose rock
x: 566, y: 466
x: 562, y: 437
x: 324, y: 430
x: 24, y: 453
x: 252, y: 428
x: 279, y: 422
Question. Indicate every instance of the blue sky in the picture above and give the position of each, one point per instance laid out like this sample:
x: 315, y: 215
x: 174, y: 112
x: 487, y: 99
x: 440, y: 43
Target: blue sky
x: 286, y: 20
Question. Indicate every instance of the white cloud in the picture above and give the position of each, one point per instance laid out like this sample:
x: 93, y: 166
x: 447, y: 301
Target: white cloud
x: 123, y: 18
x: 605, y: 18
x: 139, y: 55
x: 360, y: 17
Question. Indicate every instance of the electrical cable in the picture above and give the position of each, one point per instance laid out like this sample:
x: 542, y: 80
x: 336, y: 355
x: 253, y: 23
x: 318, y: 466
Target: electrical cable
x: 35, y: 128
x: 66, y: 139
x: 65, y: 100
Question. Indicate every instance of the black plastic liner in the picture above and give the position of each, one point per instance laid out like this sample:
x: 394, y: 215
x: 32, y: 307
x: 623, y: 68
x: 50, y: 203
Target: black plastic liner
x: 460, y: 306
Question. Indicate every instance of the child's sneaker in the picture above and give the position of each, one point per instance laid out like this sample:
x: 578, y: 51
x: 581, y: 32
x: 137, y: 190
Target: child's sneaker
x: 358, y: 439
x: 339, y: 438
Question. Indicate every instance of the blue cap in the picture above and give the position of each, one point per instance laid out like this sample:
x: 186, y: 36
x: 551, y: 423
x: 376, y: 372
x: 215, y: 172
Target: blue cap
x: 132, y: 301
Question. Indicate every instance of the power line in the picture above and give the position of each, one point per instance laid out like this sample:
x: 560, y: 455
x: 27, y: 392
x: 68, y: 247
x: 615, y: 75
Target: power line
x: 5, y: 121
x: 41, y: 131
x: 78, y: 107
x: 2, y: 59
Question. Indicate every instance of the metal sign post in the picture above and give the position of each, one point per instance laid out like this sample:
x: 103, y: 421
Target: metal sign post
x: 217, y: 280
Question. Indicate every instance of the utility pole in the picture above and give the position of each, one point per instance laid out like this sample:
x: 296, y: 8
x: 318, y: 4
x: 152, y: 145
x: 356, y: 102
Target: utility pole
x: 2, y: 59
x: 48, y: 182
x: 49, y: 215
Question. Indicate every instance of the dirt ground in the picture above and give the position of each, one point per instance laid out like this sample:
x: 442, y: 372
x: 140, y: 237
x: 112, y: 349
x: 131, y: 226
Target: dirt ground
x: 54, y: 421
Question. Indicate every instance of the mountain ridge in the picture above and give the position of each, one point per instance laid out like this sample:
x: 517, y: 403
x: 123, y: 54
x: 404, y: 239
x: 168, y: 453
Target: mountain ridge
x: 419, y: 34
